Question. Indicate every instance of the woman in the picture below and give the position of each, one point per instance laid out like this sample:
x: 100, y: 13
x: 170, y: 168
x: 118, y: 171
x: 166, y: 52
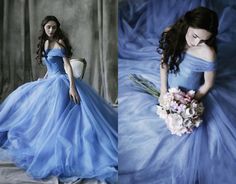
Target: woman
x: 59, y: 126
x: 148, y: 152
x: 193, y: 35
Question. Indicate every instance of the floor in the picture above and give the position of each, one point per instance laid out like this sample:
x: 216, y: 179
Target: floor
x: 9, y: 174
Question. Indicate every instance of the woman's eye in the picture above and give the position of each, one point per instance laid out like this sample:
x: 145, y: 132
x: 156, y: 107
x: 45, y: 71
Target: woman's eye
x: 194, y: 36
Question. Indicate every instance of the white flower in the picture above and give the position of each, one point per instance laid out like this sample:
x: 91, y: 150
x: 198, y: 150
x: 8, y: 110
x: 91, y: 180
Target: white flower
x: 174, y: 122
x: 161, y: 112
x: 175, y: 119
x: 167, y: 99
x: 188, y: 123
x: 181, y: 108
x: 174, y: 106
x: 189, y: 112
x: 174, y: 90
x: 194, y: 104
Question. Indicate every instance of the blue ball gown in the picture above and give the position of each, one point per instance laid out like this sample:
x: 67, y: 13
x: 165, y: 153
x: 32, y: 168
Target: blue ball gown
x: 47, y: 134
x: 148, y: 152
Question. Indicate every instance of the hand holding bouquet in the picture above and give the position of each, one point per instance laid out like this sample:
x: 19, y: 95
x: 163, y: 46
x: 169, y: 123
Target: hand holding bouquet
x: 181, y: 112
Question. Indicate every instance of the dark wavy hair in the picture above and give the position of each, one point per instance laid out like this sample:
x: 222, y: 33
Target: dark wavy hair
x: 172, y: 43
x: 59, y: 35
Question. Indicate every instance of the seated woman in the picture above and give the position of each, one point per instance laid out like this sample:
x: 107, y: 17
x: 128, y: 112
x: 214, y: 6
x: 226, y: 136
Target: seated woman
x: 59, y: 126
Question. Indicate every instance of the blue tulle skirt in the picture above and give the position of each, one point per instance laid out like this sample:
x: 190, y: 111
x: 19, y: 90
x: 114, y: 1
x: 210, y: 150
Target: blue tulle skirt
x: 46, y: 133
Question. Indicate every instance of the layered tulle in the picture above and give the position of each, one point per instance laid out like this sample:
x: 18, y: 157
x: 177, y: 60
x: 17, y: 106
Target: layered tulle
x: 47, y: 134
x: 148, y: 153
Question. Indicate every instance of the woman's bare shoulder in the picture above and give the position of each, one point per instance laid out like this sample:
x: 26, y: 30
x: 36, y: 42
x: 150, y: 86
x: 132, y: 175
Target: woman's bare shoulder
x: 208, y: 53
x: 61, y: 42
x: 204, y: 52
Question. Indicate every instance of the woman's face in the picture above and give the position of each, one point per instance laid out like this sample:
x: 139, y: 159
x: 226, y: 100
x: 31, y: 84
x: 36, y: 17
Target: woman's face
x: 50, y: 28
x: 195, y: 36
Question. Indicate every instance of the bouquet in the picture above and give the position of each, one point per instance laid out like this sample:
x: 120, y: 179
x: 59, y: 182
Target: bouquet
x: 181, y: 112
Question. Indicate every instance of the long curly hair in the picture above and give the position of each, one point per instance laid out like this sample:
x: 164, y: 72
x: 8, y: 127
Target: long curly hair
x: 59, y: 35
x: 173, y: 43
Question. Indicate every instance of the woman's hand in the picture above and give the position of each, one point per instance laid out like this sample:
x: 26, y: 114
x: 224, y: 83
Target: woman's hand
x: 74, y: 95
x: 198, y: 96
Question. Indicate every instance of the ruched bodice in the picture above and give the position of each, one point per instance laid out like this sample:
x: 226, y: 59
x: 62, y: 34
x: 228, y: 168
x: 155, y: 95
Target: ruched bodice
x: 190, y: 72
x: 54, y: 61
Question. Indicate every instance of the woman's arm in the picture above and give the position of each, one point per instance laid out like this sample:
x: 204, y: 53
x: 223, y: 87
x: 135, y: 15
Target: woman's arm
x: 73, y: 93
x: 207, y: 85
x: 163, y: 77
x: 210, y: 55
x: 163, y: 81
x: 163, y: 74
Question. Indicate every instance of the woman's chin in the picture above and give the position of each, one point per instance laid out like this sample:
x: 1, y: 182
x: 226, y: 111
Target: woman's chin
x: 50, y: 36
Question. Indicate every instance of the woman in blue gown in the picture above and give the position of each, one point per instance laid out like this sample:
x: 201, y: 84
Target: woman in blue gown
x: 59, y: 126
x: 148, y: 152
